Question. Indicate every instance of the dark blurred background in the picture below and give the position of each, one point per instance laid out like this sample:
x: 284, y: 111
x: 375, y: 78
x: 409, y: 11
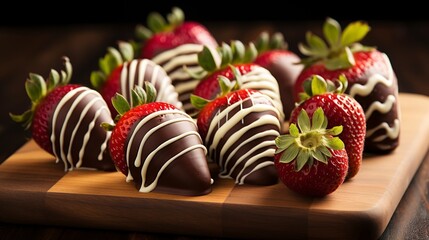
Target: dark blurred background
x: 19, y: 13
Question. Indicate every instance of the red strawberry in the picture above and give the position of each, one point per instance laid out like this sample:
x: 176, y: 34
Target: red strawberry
x: 274, y: 56
x: 235, y: 61
x: 158, y: 146
x: 372, y: 81
x: 239, y: 129
x: 162, y: 36
x: 340, y: 109
x: 65, y: 120
x: 311, y: 161
x: 119, y: 73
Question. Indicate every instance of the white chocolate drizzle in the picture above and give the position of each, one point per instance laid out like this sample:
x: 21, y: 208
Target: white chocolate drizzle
x: 231, y: 121
x: 137, y: 161
x: 81, y: 96
x: 134, y: 73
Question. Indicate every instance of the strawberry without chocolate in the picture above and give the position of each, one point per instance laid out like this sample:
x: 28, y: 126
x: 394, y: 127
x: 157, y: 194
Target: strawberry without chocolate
x: 311, y: 160
x: 372, y: 81
x: 341, y: 110
x: 158, y: 146
x: 161, y: 35
x: 239, y: 128
x: 274, y: 56
x: 119, y: 73
x: 65, y: 120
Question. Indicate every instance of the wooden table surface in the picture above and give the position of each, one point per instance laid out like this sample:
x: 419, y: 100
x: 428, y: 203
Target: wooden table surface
x: 25, y: 49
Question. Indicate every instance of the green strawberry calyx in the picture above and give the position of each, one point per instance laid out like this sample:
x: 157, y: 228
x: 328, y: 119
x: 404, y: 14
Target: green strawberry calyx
x: 156, y: 23
x: 111, y: 60
x: 265, y: 42
x: 226, y: 86
x: 37, y: 88
x: 317, y: 85
x: 309, y: 141
x: 139, y: 95
x: 337, y: 51
x: 212, y: 59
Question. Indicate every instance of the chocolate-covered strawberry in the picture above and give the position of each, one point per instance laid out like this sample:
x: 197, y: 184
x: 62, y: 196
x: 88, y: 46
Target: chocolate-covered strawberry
x: 158, y: 146
x: 311, y: 160
x: 227, y: 59
x: 282, y: 64
x: 372, y: 81
x: 341, y: 110
x: 238, y: 129
x: 119, y: 73
x: 65, y: 120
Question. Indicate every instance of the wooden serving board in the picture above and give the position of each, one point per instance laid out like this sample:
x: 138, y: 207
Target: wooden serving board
x: 35, y: 190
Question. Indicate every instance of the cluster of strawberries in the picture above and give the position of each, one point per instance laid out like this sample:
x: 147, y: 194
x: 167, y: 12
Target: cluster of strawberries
x: 176, y: 100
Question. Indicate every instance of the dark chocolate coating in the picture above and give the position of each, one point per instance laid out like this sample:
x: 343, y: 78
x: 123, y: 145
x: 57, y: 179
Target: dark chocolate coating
x: 71, y: 125
x: 187, y: 174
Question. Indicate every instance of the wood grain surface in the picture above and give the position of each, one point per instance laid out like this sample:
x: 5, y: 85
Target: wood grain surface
x: 36, y: 190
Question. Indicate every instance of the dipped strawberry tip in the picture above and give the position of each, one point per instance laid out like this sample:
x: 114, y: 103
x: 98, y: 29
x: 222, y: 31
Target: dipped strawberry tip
x: 317, y: 85
x: 336, y: 51
x: 37, y: 88
x: 111, y: 60
x: 309, y: 141
x: 156, y: 23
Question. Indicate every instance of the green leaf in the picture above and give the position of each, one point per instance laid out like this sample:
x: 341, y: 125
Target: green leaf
x: 22, y: 118
x: 317, y: 45
x: 35, y: 87
x: 332, y: 32
x: 284, y: 141
x: 97, y: 79
x: 335, y: 130
x: 262, y: 44
x: 126, y: 50
x: 319, y: 156
x: 224, y: 84
x: 318, y: 85
x: 354, y: 32
x: 150, y: 92
x: 238, y: 51
x: 142, y: 32
x: 318, y: 118
x: 303, y: 121
x: 306, y: 85
x: 198, y: 102
x: 293, y: 130
x: 68, y: 70
x: 324, y: 150
x: 53, y: 80
x: 278, y: 41
x: 120, y: 104
x: 226, y: 53
x: 325, y: 123
x: 250, y: 53
x: 176, y: 17
x: 289, y: 154
x: 302, y: 159
x: 305, y: 50
x: 238, y: 78
x: 156, y: 22
x: 342, y: 61
x: 107, y: 126
x: 209, y: 59
x: 335, y: 143
x: 138, y: 96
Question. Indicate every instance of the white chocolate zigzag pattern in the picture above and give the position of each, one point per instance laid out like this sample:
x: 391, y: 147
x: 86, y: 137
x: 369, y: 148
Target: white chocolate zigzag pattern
x: 392, y: 132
